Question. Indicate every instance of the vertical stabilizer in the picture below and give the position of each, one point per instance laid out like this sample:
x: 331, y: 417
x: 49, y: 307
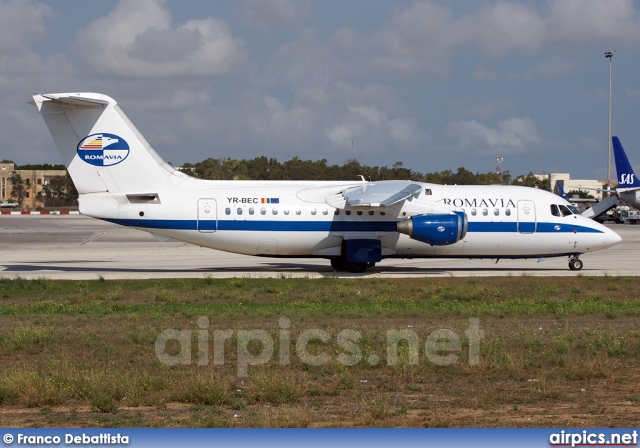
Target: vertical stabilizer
x: 103, y: 150
x: 561, y: 192
x: 626, y: 176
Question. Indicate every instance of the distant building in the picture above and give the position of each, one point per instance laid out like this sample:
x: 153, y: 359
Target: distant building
x: 33, y: 180
x: 587, y: 185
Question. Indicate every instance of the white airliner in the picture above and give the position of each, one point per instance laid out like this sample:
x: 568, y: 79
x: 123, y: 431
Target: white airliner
x: 121, y: 179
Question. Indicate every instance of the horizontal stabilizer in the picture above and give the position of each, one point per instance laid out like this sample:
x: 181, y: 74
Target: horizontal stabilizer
x: 74, y: 101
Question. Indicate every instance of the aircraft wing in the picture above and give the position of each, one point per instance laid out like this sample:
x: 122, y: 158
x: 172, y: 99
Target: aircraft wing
x: 375, y: 194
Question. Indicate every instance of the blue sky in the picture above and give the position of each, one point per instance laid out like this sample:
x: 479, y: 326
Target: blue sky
x: 434, y: 84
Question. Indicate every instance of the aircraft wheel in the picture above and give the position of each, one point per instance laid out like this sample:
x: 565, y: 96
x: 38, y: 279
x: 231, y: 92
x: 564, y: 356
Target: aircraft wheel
x: 575, y: 264
x: 339, y: 264
x: 357, y: 267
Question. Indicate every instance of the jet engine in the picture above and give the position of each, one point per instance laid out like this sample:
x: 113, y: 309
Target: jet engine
x: 437, y: 230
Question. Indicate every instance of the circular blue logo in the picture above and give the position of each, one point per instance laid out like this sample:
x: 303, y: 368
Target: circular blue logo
x: 440, y: 229
x: 103, y: 149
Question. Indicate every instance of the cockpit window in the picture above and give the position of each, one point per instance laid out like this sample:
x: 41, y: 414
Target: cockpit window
x: 564, y: 210
x: 554, y: 210
x: 573, y: 209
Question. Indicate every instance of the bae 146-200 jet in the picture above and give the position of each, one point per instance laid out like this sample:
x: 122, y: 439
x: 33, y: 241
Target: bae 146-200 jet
x: 121, y: 179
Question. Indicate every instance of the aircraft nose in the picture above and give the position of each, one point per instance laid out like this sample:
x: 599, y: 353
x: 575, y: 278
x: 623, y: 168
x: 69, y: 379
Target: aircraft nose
x: 611, y: 238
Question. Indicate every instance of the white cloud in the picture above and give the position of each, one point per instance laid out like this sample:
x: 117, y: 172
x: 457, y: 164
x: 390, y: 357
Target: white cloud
x: 373, y: 130
x: 138, y: 39
x: 502, y: 28
x: 21, y: 23
x: 510, y: 135
x: 587, y: 20
x: 302, y: 63
x: 421, y: 37
x: 272, y: 14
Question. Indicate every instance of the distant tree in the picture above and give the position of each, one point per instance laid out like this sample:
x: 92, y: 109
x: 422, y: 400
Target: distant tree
x: 263, y: 168
x: 18, y: 187
x: 7, y: 161
x: 581, y: 194
x: 531, y: 180
x: 42, y: 166
x: 505, y: 177
x: 59, y: 192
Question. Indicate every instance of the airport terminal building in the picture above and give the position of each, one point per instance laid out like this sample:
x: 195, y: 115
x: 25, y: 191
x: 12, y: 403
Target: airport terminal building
x: 33, y: 182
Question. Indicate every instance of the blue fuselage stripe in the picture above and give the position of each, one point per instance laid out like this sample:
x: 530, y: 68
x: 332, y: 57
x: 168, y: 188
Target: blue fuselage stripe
x: 338, y: 226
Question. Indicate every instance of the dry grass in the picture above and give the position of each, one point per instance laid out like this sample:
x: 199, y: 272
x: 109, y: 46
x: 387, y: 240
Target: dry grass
x: 560, y: 352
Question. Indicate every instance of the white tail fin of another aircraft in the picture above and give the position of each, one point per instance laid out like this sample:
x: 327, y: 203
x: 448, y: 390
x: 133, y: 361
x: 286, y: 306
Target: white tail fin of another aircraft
x: 103, y: 150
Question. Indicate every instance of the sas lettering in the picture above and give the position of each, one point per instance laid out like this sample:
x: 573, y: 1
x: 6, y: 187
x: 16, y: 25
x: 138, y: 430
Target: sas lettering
x: 243, y: 200
x: 627, y: 179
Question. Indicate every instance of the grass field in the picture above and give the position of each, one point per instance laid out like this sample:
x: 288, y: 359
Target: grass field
x: 325, y: 352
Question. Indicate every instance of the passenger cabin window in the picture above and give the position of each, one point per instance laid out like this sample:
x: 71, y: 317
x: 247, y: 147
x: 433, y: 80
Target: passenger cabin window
x: 336, y: 212
x: 359, y: 212
x: 348, y: 212
x: 554, y: 210
x: 263, y: 211
x: 298, y: 212
x: 286, y: 212
x: 485, y: 212
x: 274, y: 211
x: 239, y: 211
x: 473, y: 212
x: 507, y: 212
x: 371, y: 212
x: 325, y: 211
x: 251, y: 211
x: 227, y: 211
x: 313, y: 211
x: 496, y: 212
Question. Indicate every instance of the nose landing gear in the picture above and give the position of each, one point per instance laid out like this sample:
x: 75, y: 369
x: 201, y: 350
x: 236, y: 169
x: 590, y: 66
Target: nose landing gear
x: 575, y: 264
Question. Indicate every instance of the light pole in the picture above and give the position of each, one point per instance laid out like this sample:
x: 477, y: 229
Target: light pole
x: 609, y: 55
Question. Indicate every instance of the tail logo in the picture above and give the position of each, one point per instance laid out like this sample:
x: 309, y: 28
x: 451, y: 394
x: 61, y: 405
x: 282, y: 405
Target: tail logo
x: 103, y: 149
x: 627, y: 179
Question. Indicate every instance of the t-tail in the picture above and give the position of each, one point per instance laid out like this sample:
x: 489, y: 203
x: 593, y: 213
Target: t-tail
x: 104, y: 152
x: 627, y: 179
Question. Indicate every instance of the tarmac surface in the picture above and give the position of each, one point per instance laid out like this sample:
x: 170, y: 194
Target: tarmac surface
x: 74, y: 247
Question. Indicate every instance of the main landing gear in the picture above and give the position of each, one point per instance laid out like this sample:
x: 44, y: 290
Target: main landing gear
x: 340, y: 264
x: 575, y: 264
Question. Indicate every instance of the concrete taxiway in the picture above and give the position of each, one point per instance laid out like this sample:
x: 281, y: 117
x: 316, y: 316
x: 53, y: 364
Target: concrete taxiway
x: 52, y: 247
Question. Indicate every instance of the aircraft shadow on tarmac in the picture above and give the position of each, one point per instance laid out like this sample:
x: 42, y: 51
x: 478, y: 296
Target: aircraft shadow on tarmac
x: 269, y: 267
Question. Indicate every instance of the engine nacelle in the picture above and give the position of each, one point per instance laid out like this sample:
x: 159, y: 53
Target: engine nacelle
x: 437, y: 230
